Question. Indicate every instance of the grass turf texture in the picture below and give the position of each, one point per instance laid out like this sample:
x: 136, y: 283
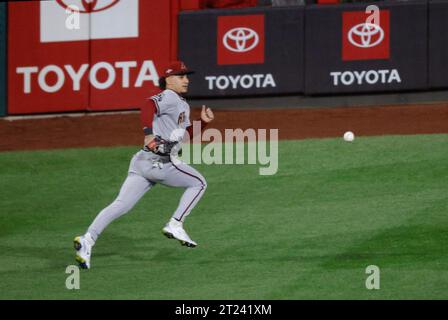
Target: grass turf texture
x: 308, y: 232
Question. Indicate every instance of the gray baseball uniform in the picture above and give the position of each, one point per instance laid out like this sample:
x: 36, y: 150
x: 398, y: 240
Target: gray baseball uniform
x: 147, y: 168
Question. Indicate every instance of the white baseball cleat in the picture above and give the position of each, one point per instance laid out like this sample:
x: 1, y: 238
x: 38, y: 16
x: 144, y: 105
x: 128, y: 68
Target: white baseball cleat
x: 174, y: 230
x: 83, y: 251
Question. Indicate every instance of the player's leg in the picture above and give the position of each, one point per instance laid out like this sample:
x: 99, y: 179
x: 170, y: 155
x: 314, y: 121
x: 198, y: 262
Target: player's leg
x: 133, y: 188
x: 183, y: 176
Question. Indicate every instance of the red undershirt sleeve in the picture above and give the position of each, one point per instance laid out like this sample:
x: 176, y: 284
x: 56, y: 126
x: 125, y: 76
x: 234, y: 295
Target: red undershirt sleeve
x: 147, y: 112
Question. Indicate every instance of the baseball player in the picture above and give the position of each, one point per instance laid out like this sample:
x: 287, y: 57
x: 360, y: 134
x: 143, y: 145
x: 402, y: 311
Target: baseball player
x: 165, y: 119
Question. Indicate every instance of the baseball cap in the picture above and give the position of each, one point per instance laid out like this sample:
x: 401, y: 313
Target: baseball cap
x: 176, y: 68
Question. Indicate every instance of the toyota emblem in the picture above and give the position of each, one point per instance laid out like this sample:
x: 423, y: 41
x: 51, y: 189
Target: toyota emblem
x: 366, y: 35
x: 88, y: 6
x: 240, y: 39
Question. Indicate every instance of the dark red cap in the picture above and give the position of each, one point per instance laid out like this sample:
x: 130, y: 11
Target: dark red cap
x: 176, y: 68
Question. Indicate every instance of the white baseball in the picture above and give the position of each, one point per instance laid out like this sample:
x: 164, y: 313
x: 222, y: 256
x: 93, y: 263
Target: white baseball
x: 349, y: 136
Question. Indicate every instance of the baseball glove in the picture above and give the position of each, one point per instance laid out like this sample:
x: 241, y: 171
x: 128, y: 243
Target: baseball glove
x: 161, y: 146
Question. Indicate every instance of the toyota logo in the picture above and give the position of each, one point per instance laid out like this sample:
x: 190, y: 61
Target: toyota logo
x: 240, y: 39
x: 366, y: 35
x: 88, y: 6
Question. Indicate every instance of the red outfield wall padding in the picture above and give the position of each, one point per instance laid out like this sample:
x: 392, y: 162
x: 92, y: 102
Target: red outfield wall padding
x: 191, y: 4
x: 110, y: 61
x: 3, y: 59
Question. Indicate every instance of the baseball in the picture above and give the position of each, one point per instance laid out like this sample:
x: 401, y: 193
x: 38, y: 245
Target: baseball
x: 349, y: 136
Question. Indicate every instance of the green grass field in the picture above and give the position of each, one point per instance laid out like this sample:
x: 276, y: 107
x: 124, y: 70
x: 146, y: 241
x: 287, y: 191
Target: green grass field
x: 308, y: 232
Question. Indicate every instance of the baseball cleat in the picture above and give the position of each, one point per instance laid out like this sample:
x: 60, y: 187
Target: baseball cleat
x: 83, y: 251
x: 175, y: 230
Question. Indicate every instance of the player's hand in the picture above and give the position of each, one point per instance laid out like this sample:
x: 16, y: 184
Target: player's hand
x: 148, y: 139
x: 152, y: 143
x: 161, y: 146
x: 207, y: 114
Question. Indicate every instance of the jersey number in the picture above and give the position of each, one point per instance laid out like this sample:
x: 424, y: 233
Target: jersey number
x: 181, y: 118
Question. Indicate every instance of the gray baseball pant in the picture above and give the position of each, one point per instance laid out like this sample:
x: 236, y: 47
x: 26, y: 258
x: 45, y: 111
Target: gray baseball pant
x: 145, y: 170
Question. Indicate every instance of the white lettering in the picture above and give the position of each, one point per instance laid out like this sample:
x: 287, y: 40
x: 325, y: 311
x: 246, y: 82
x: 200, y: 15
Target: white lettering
x: 359, y: 76
x: 233, y: 140
x: 258, y: 78
x: 365, y: 77
x: 125, y: 66
x: 72, y: 22
x: 59, y: 75
x: 110, y: 75
x: 394, y: 76
x: 234, y: 81
x: 335, y: 76
x: 73, y: 281
x: 383, y: 74
x: 373, y: 280
x: 222, y: 82
x: 148, y: 72
x: 370, y: 79
x: 27, y: 71
x: 374, y: 18
x: 212, y: 152
x: 347, y: 78
x: 246, y: 81
x: 264, y: 159
x: 269, y: 81
x: 210, y: 80
x: 186, y: 310
x: 76, y: 76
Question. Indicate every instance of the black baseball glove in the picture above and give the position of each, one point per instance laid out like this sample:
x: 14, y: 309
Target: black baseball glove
x: 161, y: 146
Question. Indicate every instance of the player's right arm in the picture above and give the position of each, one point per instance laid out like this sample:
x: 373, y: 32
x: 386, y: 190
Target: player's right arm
x: 207, y: 116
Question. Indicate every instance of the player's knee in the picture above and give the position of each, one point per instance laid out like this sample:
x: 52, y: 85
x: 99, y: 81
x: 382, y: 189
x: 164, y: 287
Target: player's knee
x: 200, y: 184
x: 203, y: 183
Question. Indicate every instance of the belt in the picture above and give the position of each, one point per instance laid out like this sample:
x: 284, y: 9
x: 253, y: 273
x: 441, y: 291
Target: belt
x: 149, y: 155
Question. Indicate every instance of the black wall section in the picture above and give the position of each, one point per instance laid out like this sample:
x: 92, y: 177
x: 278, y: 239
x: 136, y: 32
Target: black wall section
x: 405, y: 68
x: 281, y: 72
x: 438, y: 44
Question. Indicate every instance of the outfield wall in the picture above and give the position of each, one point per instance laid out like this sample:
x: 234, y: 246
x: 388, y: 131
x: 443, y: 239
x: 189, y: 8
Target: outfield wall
x: 392, y: 57
x: 3, y: 59
x: 103, y: 58
x: 315, y: 49
x: 270, y: 61
x: 113, y: 61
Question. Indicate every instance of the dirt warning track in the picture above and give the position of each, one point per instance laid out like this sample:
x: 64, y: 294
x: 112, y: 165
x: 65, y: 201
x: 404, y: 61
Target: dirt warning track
x: 293, y: 123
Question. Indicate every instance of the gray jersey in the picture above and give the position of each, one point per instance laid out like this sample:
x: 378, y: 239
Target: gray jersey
x: 172, y: 117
